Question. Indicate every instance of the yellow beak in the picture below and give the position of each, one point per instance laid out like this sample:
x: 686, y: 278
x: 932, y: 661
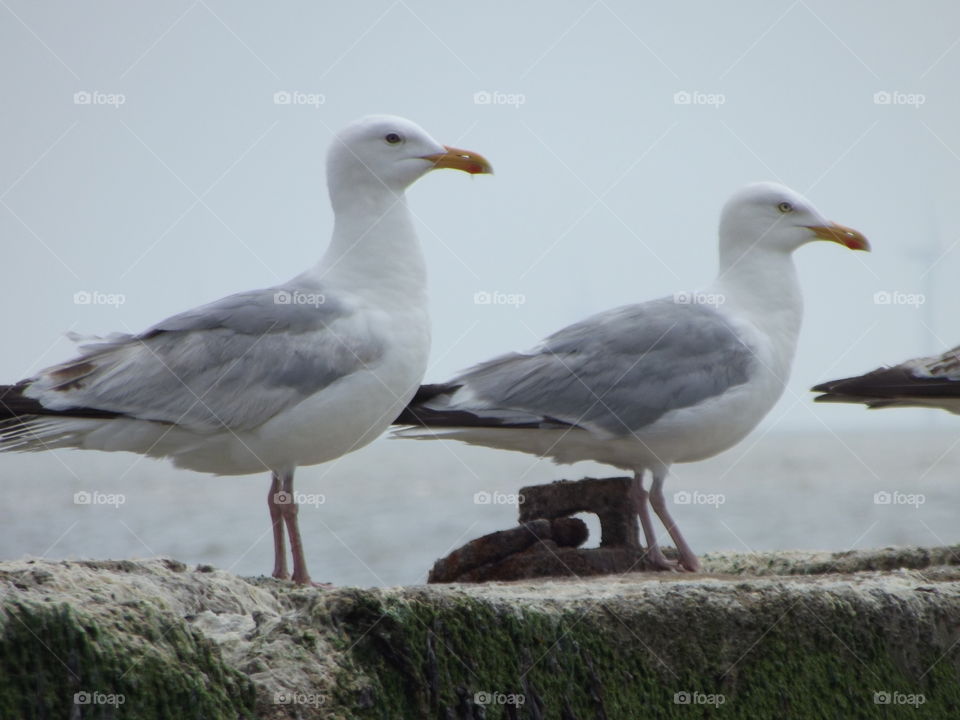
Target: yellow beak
x: 457, y: 159
x: 837, y: 233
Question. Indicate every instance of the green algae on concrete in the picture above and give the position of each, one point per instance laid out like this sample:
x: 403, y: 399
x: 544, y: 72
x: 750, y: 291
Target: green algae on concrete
x: 57, y: 661
x: 774, y: 635
x: 682, y: 651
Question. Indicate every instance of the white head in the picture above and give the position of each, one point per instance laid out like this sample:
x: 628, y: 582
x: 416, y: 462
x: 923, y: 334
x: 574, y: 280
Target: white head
x: 385, y: 154
x: 768, y: 216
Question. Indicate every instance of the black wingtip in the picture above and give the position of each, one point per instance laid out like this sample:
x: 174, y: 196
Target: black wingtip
x: 829, y: 397
x: 415, y: 413
x: 425, y: 393
x: 418, y: 414
x: 15, y: 405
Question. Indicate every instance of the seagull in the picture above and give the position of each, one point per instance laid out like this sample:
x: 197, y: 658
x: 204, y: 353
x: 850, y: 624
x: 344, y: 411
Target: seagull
x: 273, y: 379
x: 922, y: 382
x: 640, y: 387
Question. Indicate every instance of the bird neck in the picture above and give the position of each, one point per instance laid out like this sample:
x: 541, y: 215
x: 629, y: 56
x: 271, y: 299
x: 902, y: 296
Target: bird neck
x: 374, y: 249
x: 763, y: 285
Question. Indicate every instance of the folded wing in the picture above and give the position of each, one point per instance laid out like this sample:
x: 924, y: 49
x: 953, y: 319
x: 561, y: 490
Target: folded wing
x: 612, y: 373
x: 234, y: 363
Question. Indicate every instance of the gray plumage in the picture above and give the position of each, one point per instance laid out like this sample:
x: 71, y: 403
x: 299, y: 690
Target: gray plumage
x: 617, y: 371
x: 195, y: 369
x: 256, y: 312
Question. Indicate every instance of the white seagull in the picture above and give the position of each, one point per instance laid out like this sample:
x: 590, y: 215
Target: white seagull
x: 268, y: 380
x: 932, y: 382
x: 644, y: 386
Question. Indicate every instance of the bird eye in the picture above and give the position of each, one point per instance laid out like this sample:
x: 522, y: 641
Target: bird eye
x: 785, y: 207
x: 393, y: 138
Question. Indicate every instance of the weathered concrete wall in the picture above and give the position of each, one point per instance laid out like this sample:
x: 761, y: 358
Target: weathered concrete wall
x: 779, y: 635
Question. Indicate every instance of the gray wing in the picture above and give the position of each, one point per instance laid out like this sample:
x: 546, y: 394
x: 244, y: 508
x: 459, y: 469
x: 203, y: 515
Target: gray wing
x: 234, y: 363
x: 617, y: 371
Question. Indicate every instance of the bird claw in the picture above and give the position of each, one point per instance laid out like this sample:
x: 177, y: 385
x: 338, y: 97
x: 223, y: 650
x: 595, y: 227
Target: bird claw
x: 305, y: 582
x: 656, y: 560
x: 320, y: 586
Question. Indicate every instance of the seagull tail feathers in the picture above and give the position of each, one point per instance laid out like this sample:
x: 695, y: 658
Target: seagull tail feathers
x: 430, y: 408
x: 26, y: 425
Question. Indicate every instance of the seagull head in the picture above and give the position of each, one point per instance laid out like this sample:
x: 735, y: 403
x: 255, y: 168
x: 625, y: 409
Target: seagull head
x: 770, y: 216
x: 388, y: 153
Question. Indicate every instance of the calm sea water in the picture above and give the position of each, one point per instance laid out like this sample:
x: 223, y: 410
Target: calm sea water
x: 382, y: 515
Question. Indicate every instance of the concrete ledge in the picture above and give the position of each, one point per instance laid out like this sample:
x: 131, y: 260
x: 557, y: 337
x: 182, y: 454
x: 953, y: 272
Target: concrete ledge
x: 778, y: 635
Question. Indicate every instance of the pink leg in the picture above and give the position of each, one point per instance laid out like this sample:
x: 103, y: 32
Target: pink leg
x: 688, y: 561
x: 655, y: 556
x: 279, y: 536
x: 290, y: 511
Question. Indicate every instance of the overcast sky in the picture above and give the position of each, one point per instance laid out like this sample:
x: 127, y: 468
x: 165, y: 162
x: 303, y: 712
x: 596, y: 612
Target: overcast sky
x: 149, y: 164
